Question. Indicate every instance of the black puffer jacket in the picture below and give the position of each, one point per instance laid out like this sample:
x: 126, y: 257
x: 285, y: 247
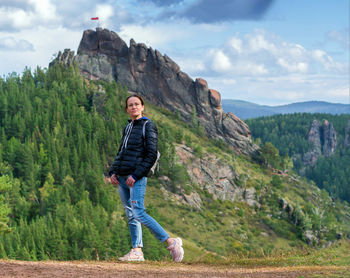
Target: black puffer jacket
x: 136, y: 157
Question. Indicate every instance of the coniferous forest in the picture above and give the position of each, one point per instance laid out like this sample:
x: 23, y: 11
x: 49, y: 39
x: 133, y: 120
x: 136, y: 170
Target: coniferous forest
x: 54, y: 149
x: 289, y: 134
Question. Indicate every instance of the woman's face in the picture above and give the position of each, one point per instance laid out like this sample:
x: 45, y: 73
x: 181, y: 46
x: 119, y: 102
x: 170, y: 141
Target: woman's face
x: 134, y: 108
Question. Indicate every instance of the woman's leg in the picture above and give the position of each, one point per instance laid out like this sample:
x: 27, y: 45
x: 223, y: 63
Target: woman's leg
x: 137, y: 196
x: 134, y: 225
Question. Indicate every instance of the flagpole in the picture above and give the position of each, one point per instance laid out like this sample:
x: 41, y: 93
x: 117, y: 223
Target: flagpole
x: 97, y: 19
x: 98, y: 45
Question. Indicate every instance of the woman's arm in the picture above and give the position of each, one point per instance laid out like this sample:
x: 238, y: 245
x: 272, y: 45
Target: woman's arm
x: 113, y: 168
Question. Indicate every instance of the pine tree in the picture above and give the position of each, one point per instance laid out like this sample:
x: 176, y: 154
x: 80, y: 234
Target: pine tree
x: 3, y: 254
x: 5, y: 185
x: 45, y: 193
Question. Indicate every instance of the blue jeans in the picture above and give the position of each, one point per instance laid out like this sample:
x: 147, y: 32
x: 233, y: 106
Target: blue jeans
x: 133, y: 201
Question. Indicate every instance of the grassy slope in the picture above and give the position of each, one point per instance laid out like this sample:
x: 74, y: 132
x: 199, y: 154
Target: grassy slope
x: 225, y: 229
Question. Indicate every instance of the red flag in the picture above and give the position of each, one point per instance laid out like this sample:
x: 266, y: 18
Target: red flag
x: 94, y: 18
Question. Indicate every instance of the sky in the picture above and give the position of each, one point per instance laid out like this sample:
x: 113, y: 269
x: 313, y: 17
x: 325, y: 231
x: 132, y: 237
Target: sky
x: 269, y: 52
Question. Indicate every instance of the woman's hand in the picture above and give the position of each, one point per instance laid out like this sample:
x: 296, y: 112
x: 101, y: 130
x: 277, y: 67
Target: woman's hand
x: 106, y: 179
x: 114, y: 180
x: 130, y: 181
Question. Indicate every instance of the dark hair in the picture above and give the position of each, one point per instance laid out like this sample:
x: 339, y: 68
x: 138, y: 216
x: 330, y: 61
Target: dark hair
x: 133, y: 95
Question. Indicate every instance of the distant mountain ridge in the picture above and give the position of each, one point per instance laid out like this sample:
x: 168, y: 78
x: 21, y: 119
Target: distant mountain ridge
x: 246, y: 110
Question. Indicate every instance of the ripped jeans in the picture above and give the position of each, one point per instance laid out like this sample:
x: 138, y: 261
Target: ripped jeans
x: 133, y: 202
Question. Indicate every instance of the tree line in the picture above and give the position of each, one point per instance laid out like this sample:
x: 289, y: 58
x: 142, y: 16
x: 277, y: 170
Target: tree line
x: 289, y: 135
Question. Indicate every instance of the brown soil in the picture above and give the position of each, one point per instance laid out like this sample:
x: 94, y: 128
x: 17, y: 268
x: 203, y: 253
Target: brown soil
x: 11, y: 268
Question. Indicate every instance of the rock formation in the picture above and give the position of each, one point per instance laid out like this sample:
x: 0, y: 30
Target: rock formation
x: 102, y: 54
x: 315, y: 139
x: 323, y: 139
x: 329, y: 139
x: 347, y: 135
x: 286, y: 206
x: 214, y: 176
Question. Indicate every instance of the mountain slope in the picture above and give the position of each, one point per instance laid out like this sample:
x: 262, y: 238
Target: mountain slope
x: 247, y: 110
x: 318, y: 144
x: 103, y: 55
x: 59, y: 131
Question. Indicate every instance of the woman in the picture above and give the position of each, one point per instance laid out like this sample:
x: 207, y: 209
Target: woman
x: 135, y: 157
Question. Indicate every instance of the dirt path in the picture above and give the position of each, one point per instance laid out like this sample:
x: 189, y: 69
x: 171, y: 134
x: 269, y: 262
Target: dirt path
x: 52, y: 269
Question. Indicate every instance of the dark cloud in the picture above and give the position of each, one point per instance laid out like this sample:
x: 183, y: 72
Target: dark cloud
x: 210, y: 11
x: 76, y: 15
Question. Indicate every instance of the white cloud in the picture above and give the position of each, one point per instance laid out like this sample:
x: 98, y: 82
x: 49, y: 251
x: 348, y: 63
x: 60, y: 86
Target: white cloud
x: 154, y: 36
x: 268, y: 70
x: 341, y: 91
x: 252, y: 68
x: 45, y: 44
x: 262, y: 53
x: 44, y: 9
x: 29, y: 15
x: 284, y: 89
x: 321, y: 56
x: 220, y: 61
x: 327, y: 61
x: 12, y: 44
x: 13, y: 18
x: 236, y: 44
x: 293, y: 67
x: 191, y: 65
x: 257, y: 41
x: 55, y: 13
x: 295, y: 50
x: 104, y: 12
x: 20, y: 18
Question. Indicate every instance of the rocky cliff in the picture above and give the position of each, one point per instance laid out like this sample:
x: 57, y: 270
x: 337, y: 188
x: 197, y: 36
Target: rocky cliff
x: 209, y: 173
x: 102, y: 54
x: 323, y: 140
x: 329, y: 137
x: 315, y: 139
x: 347, y: 135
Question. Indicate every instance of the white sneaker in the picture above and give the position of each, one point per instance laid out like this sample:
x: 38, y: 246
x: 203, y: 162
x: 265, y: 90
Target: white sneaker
x: 133, y: 256
x: 176, y: 250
